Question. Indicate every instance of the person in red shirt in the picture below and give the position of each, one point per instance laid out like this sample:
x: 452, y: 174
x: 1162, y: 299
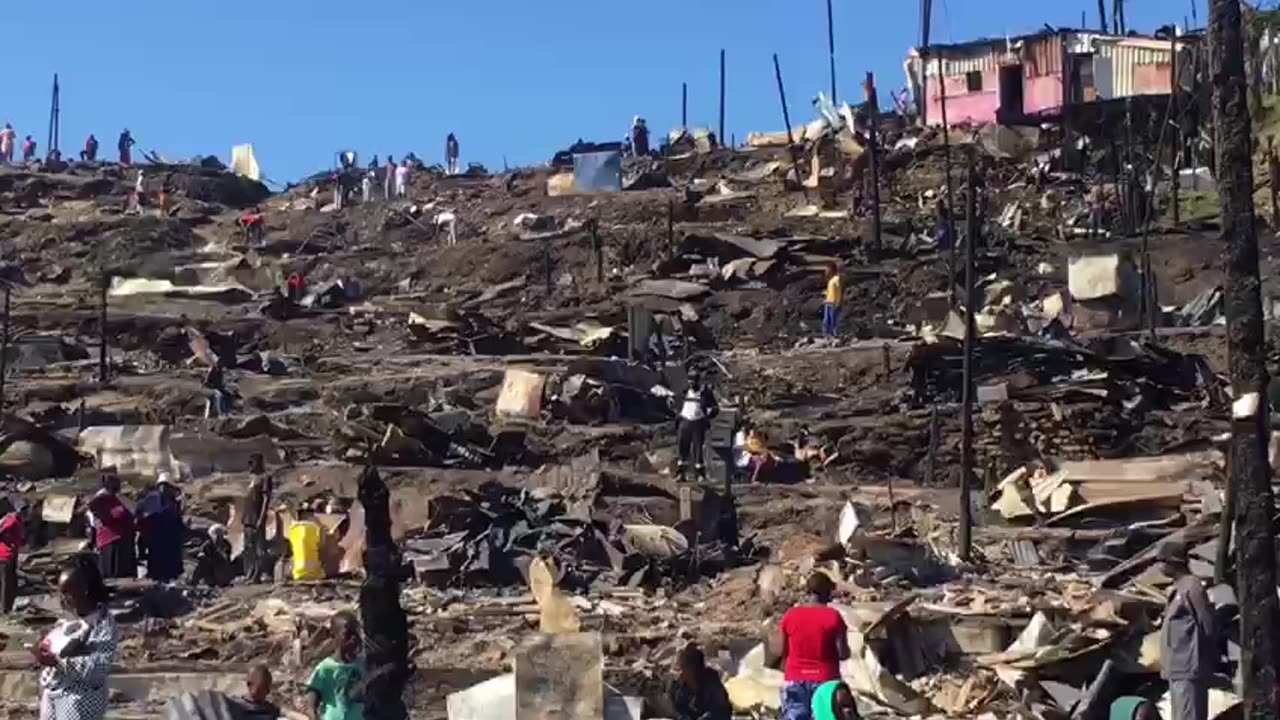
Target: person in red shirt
x: 12, y: 535
x: 814, y: 641
x: 113, y: 529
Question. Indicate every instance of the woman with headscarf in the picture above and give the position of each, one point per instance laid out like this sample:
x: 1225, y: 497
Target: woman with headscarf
x: 834, y: 701
x: 161, y: 530
x: 113, y: 529
x: 76, y: 656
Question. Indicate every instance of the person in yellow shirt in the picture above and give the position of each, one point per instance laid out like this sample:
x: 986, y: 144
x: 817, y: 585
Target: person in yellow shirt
x: 831, y: 307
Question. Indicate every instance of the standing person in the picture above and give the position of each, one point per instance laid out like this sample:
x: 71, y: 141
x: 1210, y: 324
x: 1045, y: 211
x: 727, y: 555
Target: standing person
x: 161, y: 530
x: 336, y: 687
x: 1186, y: 638
x: 76, y: 657
x: 7, y: 138
x: 831, y: 303
x: 257, y: 504
x: 256, y: 704
x: 639, y: 137
x: 696, y: 411
x: 388, y: 182
x: 451, y: 154
x: 139, y: 189
x: 125, y: 146
x: 28, y: 149
x: 112, y: 525
x: 90, y: 152
x: 366, y: 187
x: 402, y: 180
x: 12, y: 536
x: 698, y: 693
x: 814, y: 641
x: 1273, y: 181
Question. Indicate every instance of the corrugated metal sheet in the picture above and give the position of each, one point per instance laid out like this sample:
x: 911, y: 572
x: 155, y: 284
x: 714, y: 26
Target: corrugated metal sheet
x: 1043, y: 56
x: 1122, y: 58
x: 975, y: 62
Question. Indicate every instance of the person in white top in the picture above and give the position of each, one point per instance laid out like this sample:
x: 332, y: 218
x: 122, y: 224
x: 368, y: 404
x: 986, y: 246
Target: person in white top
x: 366, y: 187
x: 697, y: 407
x: 402, y: 180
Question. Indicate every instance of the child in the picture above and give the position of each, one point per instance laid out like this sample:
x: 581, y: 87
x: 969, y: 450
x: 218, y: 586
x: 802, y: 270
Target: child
x: 255, y: 705
x: 337, y: 684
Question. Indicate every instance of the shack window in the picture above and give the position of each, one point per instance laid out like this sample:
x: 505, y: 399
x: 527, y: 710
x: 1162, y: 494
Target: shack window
x: 974, y: 81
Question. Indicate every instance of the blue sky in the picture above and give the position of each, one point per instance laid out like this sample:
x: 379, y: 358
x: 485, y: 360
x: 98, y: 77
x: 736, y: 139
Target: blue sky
x: 513, y: 78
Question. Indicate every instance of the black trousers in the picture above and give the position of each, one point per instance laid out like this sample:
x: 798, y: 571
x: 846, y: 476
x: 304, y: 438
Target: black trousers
x: 8, y: 584
x: 690, y: 437
x: 118, y: 560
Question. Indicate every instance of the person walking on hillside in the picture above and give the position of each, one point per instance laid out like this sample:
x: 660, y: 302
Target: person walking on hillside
x: 639, y: 137
x: 7, y: 138
x: 451, y: 154
x: 366, y: 187
x: 256, y: 508
x: 125, y: 146
x: 90, y: 152
x: 28, y: 149
x: 814, y: 641
x: 388, y: 182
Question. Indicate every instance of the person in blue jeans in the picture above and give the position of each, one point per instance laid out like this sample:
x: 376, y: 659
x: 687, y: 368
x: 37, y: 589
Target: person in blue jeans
x: 831, y: 303
x: 814, y: 641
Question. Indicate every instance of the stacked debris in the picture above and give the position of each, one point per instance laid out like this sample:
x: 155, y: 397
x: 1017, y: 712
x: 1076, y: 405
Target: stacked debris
x: 490, y: 535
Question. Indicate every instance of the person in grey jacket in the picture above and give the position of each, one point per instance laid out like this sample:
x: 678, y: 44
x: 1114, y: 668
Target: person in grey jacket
x: 1186, y: 638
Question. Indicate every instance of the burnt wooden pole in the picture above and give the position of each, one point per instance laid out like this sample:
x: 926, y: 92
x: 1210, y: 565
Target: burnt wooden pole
x: 949, y: 221
x: 873, y: 139
x: 966, y: 412
x: 1246, y: 351
x: 831, y: 49
x: 597, y: 248
x: 684, y: 106
x: 786, y: 120
x: 4, y: 346
x: 1175, y: 157
x: 721, y: 136
x: 386, y: 626
x: 104, y: 283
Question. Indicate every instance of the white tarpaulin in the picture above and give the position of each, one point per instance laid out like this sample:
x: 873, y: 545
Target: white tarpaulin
x: 243, y: 163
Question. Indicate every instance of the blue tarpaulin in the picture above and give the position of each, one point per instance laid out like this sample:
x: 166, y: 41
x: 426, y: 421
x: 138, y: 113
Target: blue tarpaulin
x: 597, y: 172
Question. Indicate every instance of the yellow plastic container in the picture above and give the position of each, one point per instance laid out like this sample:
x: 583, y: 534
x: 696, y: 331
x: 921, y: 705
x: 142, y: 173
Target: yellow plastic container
x: 304, y: 539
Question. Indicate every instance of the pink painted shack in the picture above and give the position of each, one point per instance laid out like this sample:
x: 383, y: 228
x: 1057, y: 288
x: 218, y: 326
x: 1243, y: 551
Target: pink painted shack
x: 1020, y: 79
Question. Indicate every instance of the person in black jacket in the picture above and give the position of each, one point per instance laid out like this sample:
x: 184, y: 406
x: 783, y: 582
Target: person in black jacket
x: 698, y: 693
x: 694, y: 413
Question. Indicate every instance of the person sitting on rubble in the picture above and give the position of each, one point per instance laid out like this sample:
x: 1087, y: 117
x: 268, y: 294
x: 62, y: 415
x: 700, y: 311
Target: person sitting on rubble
x: 213, y: 559
x: 834, y: 701
x: 759, y: 459
x: 414, y: 163
x: 1132, y: 707
x: 161, y: 530
x: 90, y: 151
x: 295, y: 287
x: 336, y: 686
x: 698, y: 693
x: 256, y: 703
x: 77, y: 656
x: 28, y: 149
x: 125, y: 146
x: 373, y: 163
x: 697, y: 409
x: 112, y: 526
x: 814, y: 639
x: 639, y: 137
x: 941, y: 226
x: 12, y: 537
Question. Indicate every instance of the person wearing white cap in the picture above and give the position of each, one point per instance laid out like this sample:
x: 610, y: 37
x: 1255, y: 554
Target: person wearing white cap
x: 161, y: 530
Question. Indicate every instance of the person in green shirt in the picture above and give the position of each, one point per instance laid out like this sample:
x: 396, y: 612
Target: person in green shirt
x: 336, y: 687
x: 1131, y: 707
x: 834, y: 701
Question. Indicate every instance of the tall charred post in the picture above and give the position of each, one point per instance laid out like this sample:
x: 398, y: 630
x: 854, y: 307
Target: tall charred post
x: 1250, y: 475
